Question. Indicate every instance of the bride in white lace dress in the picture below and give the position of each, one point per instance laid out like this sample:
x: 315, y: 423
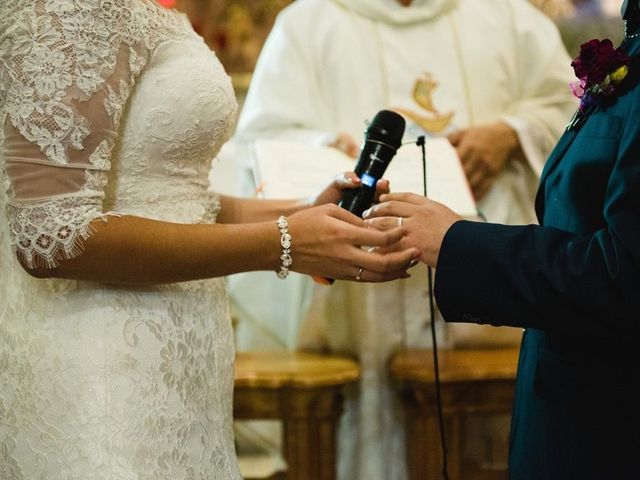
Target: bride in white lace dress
x: 116, y: 351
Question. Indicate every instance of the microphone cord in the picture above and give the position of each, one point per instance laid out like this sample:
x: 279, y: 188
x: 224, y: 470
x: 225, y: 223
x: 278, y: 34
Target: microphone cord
x: 436, y: 368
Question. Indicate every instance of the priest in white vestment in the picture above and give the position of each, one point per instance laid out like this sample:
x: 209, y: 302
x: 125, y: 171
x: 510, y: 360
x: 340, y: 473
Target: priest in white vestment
x: 491, y: 75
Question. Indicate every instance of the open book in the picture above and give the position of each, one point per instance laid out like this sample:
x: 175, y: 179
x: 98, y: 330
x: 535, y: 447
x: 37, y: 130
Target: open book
x: 293, y: 170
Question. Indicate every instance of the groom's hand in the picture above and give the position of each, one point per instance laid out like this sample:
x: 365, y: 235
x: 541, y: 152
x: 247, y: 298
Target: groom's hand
x: 426, y: 222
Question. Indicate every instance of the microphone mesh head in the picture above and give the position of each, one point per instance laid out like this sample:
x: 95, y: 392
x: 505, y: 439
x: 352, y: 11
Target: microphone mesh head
x: 387, y: 127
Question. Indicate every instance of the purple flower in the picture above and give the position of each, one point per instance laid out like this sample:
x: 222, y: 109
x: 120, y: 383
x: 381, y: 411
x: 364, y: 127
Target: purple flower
x: 599, y: 72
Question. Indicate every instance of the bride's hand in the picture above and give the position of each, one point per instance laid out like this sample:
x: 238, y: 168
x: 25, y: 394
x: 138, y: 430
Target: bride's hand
x: 332, y: 193
x: 327, y: 240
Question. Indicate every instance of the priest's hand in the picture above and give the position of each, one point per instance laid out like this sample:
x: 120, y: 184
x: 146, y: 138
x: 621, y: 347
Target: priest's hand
x: 345, y: 143
x: 484, y: 152
x: 426, y: 222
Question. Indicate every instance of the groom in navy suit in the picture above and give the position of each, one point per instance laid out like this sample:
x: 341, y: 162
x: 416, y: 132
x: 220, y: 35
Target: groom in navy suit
x: 573, y: 283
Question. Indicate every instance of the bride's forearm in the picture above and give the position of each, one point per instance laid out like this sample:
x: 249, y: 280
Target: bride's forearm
x: 134, y: 250
x: 242, y: 210
x: 326, y: 241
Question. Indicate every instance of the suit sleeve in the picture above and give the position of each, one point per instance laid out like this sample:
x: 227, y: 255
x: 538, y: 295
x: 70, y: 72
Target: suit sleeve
x: 550, y: 279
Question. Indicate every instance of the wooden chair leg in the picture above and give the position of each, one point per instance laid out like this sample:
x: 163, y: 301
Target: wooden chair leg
x: 304, y: 391
x: 454, y: 438
x: 424, y: 450
x: 421, y: 449
x: 311, y: 418
x: 472, y: 381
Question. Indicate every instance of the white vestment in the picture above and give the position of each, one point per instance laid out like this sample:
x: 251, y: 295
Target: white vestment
x: 330, y: 65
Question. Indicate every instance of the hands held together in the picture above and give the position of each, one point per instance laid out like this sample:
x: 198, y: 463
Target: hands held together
x: 401, y: 228
x: 393, y: 236
x: 424, y: 223
x: 330, y: 242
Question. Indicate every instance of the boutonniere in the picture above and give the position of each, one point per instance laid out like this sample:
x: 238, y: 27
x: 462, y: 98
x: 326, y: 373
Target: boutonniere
x: 600, y: 69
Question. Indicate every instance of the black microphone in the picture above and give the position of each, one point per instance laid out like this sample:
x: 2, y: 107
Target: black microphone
x: 382, y: 138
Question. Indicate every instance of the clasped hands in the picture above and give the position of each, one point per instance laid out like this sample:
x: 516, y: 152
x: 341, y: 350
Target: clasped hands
x: 331, y: 242
x: 402, y: 228
x: 424, y: 223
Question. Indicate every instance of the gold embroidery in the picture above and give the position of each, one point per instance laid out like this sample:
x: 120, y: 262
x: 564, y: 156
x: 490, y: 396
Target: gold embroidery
x: 422, y: 94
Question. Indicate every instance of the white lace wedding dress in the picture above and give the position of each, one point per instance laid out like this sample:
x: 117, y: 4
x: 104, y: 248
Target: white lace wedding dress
x: 108, y: 107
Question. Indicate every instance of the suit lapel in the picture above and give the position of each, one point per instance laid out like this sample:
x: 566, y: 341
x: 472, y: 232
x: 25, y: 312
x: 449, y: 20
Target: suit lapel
x: 632, y: 47
x: 558, y: 152
x: 554, y: 158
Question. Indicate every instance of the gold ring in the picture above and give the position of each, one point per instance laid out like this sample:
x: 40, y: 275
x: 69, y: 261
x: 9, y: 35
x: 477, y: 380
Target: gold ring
x: 359, y: 274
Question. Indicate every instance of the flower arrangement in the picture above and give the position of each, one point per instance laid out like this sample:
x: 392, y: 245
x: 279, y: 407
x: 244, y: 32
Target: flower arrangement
x: 600, y: 69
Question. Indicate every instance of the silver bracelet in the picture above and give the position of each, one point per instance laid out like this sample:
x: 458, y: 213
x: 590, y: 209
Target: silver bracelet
x: 285, y: 242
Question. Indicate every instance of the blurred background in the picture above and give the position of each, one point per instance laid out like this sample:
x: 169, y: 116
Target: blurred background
x: 236, y: 29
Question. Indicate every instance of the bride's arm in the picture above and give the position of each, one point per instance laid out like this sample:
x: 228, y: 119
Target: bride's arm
x: 235, y: 210
x: 241, y: 210
x: 60, y: 135
x: 326, y: 241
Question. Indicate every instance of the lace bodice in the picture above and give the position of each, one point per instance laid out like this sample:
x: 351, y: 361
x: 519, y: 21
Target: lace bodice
x: 67, y: 72
x: 108, y: 107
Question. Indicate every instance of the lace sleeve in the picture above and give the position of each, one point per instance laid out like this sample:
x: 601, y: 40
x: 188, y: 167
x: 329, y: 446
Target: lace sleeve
x: 66, y: 72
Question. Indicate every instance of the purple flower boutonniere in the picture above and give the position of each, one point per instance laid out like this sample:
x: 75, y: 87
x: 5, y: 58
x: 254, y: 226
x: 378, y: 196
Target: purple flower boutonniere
x: 600, y: 69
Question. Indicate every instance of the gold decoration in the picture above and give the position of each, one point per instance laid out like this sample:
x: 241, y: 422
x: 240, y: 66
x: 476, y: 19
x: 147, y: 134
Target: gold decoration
x: 423, y: 96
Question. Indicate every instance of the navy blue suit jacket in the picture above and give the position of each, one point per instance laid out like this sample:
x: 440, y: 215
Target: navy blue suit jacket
x: 573, y: 284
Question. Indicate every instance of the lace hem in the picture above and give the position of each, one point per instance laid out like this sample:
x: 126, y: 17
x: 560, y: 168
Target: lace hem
x: 48, y: 232
x: 45, y: 233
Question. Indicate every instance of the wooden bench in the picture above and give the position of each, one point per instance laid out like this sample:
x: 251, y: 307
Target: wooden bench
x: 472, y: 382
x: 302, y: 390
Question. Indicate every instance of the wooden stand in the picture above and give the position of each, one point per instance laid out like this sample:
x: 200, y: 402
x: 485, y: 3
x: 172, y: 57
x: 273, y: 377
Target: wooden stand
x: 472, y: 381
x: 305, y: 392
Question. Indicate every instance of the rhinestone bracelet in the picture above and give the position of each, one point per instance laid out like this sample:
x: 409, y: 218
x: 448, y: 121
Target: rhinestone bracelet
x: 285, y: 242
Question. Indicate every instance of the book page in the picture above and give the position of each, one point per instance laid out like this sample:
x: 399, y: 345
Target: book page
x: 293, y: 170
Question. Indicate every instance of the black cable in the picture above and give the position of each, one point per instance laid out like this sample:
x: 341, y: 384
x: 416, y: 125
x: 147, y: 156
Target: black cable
x: 436, y: 368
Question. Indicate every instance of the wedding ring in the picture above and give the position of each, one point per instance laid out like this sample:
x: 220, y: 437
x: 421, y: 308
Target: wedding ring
x: 399, y: 221
x: 359, y: 274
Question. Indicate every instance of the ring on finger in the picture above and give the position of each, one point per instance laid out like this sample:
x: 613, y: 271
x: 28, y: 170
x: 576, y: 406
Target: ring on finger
x: 359, y: 274
x: 399, y: 221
